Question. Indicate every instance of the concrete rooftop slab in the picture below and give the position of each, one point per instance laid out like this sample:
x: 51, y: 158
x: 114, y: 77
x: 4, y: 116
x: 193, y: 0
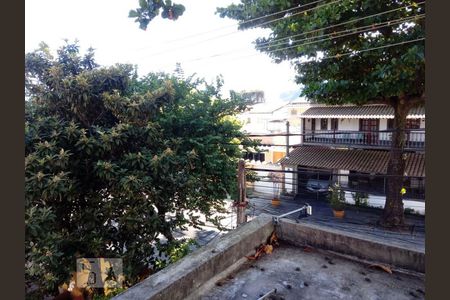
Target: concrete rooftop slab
x: 297, y: 274
x: 337, y: 267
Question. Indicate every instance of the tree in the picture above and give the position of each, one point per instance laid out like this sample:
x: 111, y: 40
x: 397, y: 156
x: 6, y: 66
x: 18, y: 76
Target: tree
x: 344, y: 54
x: 149, y: 9
x: 113, y: 161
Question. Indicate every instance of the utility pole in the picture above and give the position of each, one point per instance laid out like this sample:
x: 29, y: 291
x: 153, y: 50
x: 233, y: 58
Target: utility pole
x: 283, y: 182
x: 241, y: 203
x: 287, y: 139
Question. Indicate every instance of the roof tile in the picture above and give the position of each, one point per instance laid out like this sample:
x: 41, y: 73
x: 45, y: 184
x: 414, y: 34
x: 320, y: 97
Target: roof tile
x: 367, y: 161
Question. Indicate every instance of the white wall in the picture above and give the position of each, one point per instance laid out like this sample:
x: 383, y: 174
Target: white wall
x: 344, y: 124
x: 422, y: 123
x: 379, y: 201
x: 348, y: 124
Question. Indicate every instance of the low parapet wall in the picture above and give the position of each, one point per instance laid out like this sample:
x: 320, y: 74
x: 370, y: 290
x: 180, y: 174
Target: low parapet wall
x: 200, y: 269
x: 348, y: 243
x: 180, y: 280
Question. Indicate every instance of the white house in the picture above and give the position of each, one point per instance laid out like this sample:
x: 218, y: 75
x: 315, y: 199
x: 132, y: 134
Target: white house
x: 350, y: 144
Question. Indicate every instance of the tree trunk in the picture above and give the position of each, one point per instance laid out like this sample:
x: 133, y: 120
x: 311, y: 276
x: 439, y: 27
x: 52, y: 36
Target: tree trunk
x: 393, y: 214
x: 241, y: 218
x: 165, y: 228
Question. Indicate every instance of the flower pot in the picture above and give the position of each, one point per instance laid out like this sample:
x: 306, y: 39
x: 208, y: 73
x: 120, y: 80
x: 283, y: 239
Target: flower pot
x: 339, y: 213
x: 276, y: 202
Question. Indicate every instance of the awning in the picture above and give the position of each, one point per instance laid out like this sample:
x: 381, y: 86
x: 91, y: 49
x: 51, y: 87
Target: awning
x: 365, y: 161
x: 359, y: 112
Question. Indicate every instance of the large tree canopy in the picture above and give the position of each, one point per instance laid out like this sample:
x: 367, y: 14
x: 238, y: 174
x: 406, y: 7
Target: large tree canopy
x: 113, y: 161
x: 349, y: 51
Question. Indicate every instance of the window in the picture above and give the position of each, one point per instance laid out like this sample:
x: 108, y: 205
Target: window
x: 323, y: 124
x: 334, y: 124
x: 369, y: 124
x: 412, y: 123
x: 390, y: 124
x: 262, y: 157
x: 254, y: 156
x: 249, y: 120
x: 293, y: 112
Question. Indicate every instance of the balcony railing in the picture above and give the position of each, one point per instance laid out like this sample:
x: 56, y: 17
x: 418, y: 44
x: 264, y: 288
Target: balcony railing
x: 414, y: 139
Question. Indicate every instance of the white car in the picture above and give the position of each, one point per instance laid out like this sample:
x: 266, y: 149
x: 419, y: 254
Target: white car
x: 317, y: 185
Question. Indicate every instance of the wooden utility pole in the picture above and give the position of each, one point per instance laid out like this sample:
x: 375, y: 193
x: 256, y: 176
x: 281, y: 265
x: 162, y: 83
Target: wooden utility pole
x: 283, y: 182
x: 287, y: 139
x: 242, y: 199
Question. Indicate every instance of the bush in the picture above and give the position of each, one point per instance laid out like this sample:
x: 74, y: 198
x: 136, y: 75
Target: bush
x: 113, y: 161
x: 361, y: 199
x: 336, y: 197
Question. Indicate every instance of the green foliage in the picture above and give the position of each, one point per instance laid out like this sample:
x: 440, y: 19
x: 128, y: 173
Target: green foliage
x: 361, y: 199
x: 368, y: 76
x: 149, y: 9
x: 174, y: 251
x: 364, y: 59
x: 114, y: 162
x: 336, y: 196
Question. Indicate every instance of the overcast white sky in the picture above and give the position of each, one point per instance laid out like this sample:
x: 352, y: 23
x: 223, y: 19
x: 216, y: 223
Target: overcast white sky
x: 104, y: 25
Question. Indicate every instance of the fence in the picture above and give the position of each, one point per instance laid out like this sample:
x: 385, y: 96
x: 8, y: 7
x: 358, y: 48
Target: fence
x: 414, y: 139
x: 313, y: 185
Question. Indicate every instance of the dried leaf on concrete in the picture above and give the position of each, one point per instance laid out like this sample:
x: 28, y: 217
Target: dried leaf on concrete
x: 268, y: 249
x: 382, y: 267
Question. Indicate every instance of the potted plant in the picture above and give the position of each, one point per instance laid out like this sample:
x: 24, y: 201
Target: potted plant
x: 336, y: 197
x: 276, y: 179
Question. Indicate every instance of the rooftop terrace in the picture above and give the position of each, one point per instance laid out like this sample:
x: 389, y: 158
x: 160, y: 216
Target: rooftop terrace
x: 311, y: 262
x: 297, y: 274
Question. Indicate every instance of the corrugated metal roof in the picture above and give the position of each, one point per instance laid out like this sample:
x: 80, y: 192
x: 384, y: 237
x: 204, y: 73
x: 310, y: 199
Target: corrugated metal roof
x: 366, y: 161
x: 358, y: 112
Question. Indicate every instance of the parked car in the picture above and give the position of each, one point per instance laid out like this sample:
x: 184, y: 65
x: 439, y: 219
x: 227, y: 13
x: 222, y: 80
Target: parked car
x: 317, y: 185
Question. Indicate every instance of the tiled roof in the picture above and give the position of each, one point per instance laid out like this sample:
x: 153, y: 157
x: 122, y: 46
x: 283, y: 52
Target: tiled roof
x: 358, y: 112
x: 366, y: 161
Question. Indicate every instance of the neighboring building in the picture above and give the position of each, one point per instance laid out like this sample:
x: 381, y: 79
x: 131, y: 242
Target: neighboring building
x: 264, y: 119
x: 349, y: 140
x: 271, y: 119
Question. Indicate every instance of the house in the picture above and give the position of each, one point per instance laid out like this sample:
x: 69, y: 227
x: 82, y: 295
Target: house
x: 350, y: 144
x: 261, y: 120
x: 268, y: 122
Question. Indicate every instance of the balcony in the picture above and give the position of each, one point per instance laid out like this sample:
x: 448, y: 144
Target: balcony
x: 415, y: 139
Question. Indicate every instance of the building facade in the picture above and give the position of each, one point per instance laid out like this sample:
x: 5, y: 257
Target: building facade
x: 350, y: 145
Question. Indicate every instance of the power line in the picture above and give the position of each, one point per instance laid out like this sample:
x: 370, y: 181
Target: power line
x: 236, y: 31
x: 347, y: 22
x: 358, y: 30
x: 322, y: 58
x: 243, y: 22
x: 337, y: 55
x: 297, y: 13
x: 324, y: 172
x: 296, y: 35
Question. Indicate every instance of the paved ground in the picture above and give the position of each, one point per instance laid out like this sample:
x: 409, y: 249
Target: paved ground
x: 297, y: 274
x: 356, y: 220
x: 362, y: 221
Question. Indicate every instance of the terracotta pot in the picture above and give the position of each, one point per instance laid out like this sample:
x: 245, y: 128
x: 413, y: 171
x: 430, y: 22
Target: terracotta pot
x: 276, y: 202
x: 339, y: 213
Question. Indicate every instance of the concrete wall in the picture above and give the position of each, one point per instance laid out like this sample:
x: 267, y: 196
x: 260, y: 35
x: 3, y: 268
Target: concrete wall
x: 352, y: 244
x: 379, y: 202
x: 180, y: 280
x: 199, y: 270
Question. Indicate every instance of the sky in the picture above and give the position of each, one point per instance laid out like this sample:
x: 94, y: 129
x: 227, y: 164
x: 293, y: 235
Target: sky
x: 200, y: 40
